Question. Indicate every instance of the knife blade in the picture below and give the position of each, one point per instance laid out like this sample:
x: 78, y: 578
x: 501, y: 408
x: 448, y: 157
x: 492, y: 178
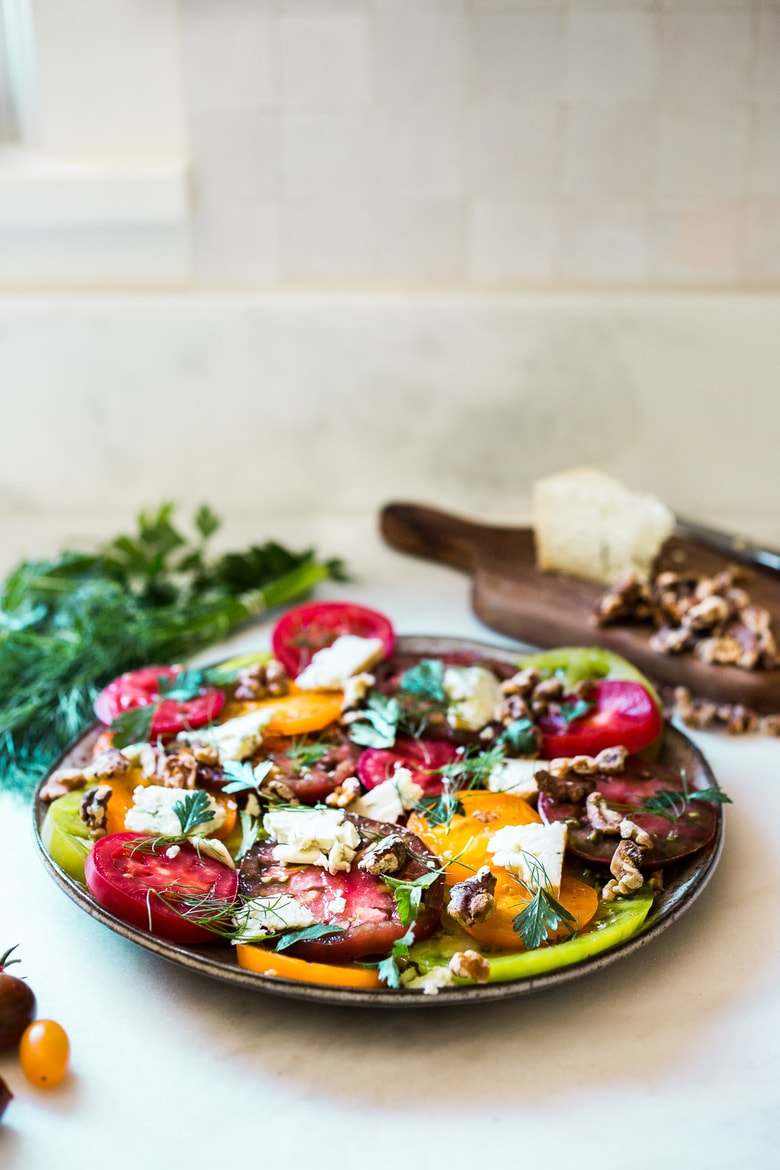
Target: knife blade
x: 739, y: 548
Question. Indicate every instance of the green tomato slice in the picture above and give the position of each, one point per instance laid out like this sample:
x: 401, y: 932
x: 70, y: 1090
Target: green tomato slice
x: 615, y: 923
x: 65, y: 836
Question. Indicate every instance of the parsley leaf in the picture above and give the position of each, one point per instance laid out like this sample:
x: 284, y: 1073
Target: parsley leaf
x: 426, y: 679
x: 575, y: 709
x: 540, y: 917
x: 245, y: 778
x: 305, y: 934
x: 195, y: 810
x: 133, y: 726
x: 520, y: 735
x: 187, y: 684
x: 378, y: 725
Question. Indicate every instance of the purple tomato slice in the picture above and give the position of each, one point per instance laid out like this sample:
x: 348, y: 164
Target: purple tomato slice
x: 169, y: 893
x: 673, y: 836
x: 361, y: 904
x: 312, y: 767
x: 423, y: 758
x: 302, y: 631
x: 141, y: 688
x: 618, y: 712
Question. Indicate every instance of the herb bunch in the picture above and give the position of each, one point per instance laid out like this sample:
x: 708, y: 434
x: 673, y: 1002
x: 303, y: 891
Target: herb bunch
x: 71, y: 624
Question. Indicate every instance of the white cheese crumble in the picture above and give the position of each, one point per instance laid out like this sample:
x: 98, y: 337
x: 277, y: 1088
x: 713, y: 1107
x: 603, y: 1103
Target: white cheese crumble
x: 516, y: 776
x: 337, y: 905
x: 152, y: 811
x: 235, y: 739
x: 272, y: 913
x: 332, y: 667
x: 390, y: 799
x: 312, y: 836
x: 516, y: 846
x: 474, y: 693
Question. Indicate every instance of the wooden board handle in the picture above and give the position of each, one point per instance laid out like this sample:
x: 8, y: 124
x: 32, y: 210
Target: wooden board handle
x: 435, y: 535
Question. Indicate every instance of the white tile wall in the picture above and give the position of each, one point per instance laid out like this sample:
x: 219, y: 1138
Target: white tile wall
x: 481, y: 144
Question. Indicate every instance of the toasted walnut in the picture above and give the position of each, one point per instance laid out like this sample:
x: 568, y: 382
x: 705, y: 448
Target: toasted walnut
x: 93, y: 809
x: 656, y: 881
x: 624, y: 867
x: 470, y: 965
x: 276, y: 790
x: 612, y: 760
x: 521, y: 683
x: 609, y: 761
x: 631, y: 831
x: 385, y: 856
x: 205, y: 753
x: 512, y: 708
x: 692, y: 712
x: 741, y: 720
x: 107, y: 764
x: 629, y: 599
x: 600, y: 816
x: 472, y: 901
x: 708, y: 613
x: 549, y: 689
x: 262, y: 680
x: 770, y: 725
x: 177, y: 770
x: 61, y: 782
x: 567, y: 789
x: 671, y: 640
x: 719, y: 651
x: 347, y: 791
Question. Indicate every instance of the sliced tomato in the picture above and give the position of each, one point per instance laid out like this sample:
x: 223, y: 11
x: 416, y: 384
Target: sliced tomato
x: 362, y: 905
x: 140, y: 688
x: 620, y: 712
x: 674, y: 836
x: 170, y: 896
x: 312, y: 768
x: 302, y: 631
x: 423, y: 758
x: 283, y: 966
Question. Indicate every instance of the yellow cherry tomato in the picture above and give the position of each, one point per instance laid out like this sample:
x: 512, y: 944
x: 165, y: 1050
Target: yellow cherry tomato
x: 44, y: 1053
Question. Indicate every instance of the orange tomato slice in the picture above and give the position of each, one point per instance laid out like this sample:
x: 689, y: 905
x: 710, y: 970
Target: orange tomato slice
x: 297, y: 713
x: 281, y: 966
x: 462, y: 845
x: 580, y: 899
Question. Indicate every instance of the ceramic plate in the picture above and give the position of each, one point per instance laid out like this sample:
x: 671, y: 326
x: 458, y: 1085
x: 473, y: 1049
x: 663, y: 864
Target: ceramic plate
x: 684, y: 883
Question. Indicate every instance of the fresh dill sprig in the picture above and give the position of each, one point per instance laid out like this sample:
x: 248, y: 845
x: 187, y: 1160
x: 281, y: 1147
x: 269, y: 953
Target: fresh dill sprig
x: 408, y: 897
x: 306, y: 755
x: 71, y: 624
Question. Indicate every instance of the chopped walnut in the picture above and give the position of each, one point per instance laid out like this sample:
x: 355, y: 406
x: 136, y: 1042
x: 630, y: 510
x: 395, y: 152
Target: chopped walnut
x: 61, y: 782
x: 741, y: 720
x: 347, y: 791
x: 629, y: 598
x: 719, y: 651
x: 770, y: 725
x: 205, y: 753
x: 472, y: 901
x: 694, y: 713
x: 470, y: 965
x: 671, y: 640
x: 656, y: 881
x: 709, y: 612
x: 512, y: 708
x: 631, y: 831
x: 385, y: 856
x: 177, y: 770
x: 107, y: 764
x: 600, y: 816
x: 262, y: 680
x: 94, y: 809
x: 624, y: 867
x: 609, y: 761
x: 521, y: 683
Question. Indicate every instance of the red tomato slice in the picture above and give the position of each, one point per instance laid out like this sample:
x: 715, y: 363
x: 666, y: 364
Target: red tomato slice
x: 423, y: 758
x: 165, y: 896
x: 624, y: 713
x: 139, y: 688
x: 302, y: 631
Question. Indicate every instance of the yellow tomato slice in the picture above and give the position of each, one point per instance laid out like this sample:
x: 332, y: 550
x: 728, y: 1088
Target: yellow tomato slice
x: 297, y: 713
x: 580, y: 899
x: 462, y: 845
x: 281, y: 966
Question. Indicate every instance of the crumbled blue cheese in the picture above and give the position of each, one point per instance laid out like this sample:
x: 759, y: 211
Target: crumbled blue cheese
x: 331, y: 667
x: 235, y: 739
x: 533, y: 852
x: 390, y: 799
x: 516, y: 776
x: 473, y: 693
x: 271, y: 914
x: 312, y: 836
x: 152, y: 811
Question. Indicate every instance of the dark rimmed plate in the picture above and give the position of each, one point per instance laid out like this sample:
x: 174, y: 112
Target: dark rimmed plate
x: 218, y: 960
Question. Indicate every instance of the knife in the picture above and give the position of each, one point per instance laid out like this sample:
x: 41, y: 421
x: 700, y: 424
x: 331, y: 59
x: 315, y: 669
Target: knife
x: 739, y: 548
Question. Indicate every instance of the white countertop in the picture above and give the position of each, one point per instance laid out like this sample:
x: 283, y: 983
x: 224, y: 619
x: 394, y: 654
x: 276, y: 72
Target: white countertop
x: 669, y: 1057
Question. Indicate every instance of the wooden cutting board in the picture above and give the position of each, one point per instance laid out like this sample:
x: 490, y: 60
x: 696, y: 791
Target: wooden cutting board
x: 511, y: 596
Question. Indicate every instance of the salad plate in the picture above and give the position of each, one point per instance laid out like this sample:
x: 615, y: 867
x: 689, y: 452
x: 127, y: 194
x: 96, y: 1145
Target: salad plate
x: 684, y: 881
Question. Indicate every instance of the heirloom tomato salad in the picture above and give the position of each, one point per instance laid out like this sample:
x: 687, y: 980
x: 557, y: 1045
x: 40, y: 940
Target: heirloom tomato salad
x: 342, y: 811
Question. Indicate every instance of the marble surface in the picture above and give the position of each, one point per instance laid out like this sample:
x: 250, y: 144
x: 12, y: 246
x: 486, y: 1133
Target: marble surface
x: 668, y: 1057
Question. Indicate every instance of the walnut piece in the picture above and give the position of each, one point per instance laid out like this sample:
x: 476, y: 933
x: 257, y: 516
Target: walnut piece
x: 347, y: 791
x: 470, y: 965
x: 385, y: 856
x: 624, y: 867
x: 600, y: 816
x: 472, y: 901
x: 93, y: 809
x: 262, y: 680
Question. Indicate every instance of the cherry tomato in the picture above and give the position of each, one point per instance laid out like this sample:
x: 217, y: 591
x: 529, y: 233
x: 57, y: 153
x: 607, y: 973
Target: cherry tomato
x: 17, y: 1008
x: 623, y: 713
x: 44, y: 1053
x: 140, y: 688
x: 302, y: 631
x: 6, y: 1097
x: 165, y: 895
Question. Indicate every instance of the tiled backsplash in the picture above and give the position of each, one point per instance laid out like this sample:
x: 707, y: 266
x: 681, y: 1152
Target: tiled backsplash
x: 496, y: 144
